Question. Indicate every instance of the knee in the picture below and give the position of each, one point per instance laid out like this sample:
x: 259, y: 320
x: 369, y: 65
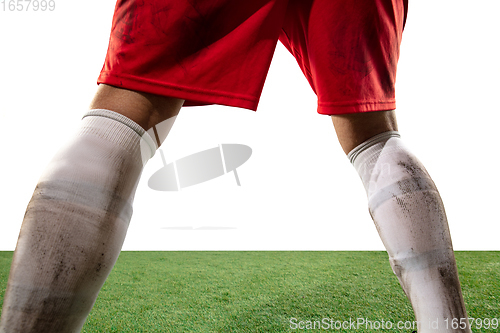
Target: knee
x: 145, y: 109
x: 356, y: 128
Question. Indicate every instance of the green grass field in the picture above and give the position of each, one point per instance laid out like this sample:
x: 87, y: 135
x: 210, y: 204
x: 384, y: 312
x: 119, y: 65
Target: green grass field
x: 262, y: 291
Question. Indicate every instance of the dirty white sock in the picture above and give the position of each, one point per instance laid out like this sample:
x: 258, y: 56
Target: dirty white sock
x: 75, y: 225
x: 411, y: 221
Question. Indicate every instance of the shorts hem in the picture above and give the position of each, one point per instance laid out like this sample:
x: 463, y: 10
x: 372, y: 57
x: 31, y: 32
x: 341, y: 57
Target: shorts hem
x: 347, y: 108
x: 192, y: 97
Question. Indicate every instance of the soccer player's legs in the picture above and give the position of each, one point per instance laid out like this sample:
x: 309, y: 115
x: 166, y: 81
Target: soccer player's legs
x: 348, y: 51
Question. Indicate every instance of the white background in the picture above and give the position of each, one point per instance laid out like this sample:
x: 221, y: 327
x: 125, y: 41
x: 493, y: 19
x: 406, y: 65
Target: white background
x: 298, y: 190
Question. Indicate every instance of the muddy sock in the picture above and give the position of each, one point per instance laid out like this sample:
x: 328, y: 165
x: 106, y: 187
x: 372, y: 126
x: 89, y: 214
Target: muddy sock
x: 75, y: 225
x: 411, y: 221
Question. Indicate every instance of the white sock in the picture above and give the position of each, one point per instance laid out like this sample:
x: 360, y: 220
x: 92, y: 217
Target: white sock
x: 411, y: 221
x: 75, y: 225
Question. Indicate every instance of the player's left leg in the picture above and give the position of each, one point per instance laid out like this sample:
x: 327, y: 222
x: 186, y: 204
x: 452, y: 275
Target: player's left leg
x: 348, y: 51
x: 77, y: 219
x: 410, y: 218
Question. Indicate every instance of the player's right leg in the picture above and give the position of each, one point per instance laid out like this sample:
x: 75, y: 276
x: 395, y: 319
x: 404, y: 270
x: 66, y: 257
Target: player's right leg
x: 77, y: 219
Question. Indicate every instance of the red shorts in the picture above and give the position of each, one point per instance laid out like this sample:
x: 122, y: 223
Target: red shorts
x: 219, y: 51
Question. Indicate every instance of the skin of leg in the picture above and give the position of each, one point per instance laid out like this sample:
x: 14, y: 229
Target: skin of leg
x: 50, y: 238
x: 355, y: 128
x: 145, y: 109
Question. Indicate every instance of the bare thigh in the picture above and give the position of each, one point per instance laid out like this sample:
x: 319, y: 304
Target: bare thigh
x: 354, y: 129
x: 145, y: 109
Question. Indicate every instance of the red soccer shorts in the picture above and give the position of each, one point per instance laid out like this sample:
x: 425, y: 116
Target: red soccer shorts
x: 219, y: 51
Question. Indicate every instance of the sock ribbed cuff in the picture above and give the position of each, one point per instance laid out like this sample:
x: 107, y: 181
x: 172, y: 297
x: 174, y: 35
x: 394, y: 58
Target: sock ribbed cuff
x: 370, y: 142
x: 117, y: 133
